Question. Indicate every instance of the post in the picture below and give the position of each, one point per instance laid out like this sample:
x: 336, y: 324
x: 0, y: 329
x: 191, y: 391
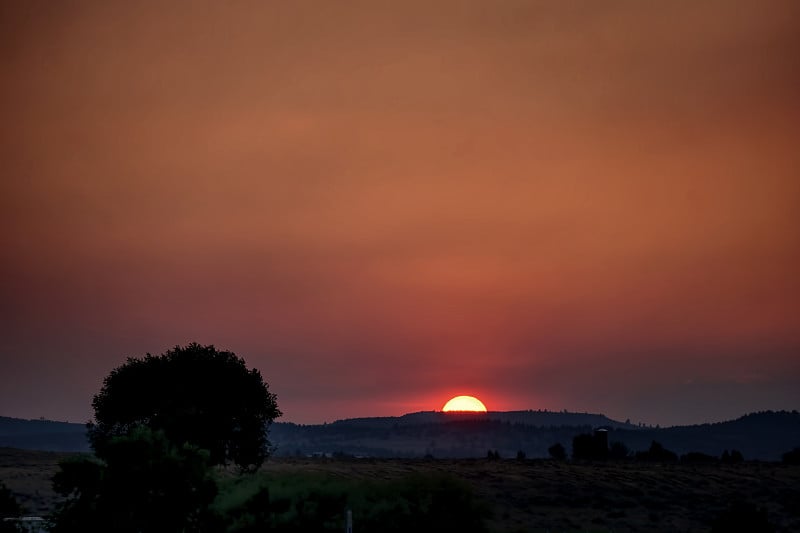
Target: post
x: 348, y: 528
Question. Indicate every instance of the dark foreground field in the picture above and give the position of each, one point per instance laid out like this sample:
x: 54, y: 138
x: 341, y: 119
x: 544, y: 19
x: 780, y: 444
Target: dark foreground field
x: 523, y: 496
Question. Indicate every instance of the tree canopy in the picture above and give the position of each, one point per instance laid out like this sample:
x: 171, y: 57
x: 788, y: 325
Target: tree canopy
x: 194, y: 394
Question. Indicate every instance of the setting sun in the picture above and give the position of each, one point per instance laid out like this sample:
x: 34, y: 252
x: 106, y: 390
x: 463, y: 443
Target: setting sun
x: 464, y: 403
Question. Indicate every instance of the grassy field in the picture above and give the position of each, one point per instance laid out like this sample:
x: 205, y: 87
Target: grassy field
x: 28, y: 473
x: 522, y: 496
x: 551, y: 496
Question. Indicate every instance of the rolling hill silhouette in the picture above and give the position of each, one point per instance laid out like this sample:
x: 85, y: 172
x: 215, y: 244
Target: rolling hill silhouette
x: 759, y: 436
x: 45, y: 435
x: 762, y: 436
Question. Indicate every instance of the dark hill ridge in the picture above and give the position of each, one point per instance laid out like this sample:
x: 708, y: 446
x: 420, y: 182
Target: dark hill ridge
x: 765, y: 436
x: 45, y: 435
x: 527, y: 418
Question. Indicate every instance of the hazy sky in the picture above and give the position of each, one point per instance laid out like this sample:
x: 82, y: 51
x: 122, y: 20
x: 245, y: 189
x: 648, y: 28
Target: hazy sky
x: 583, y: 205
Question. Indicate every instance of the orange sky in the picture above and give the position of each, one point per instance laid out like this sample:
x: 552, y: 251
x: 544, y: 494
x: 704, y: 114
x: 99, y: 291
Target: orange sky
x: 581, y: 205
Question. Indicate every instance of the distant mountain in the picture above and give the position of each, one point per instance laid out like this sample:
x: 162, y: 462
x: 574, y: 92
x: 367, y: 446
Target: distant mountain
x: 529, y: 418
x: 763, y: 436
x: 45, y: 435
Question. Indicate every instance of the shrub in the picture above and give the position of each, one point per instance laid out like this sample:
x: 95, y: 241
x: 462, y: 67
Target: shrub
x: 657, y: 453
x: 557, y: 452
x: 792, y: 457
x: 618, y: 451
x: 590, y: 447
x: 732, y: 457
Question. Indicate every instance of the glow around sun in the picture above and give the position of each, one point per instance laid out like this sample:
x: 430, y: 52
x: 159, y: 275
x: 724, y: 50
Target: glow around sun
x: 464, y: 403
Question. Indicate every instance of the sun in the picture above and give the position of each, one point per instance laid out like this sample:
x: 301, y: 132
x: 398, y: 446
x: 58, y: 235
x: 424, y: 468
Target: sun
x: 464, y: 403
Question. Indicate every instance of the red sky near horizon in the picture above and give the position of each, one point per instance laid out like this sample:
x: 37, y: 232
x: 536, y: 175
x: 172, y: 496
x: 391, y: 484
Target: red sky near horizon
x: 590, y: 206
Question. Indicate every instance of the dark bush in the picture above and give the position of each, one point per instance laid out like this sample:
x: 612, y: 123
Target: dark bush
x: 792, y: 457
x: 657, y: 453
x: 698, y: 458
x: 732, y: 457
x: 557, y: 452
x: 590, y: 447
x: 618, y: 451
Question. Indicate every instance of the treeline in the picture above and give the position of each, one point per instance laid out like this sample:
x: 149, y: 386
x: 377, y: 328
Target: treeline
x: 596, y: 447
x: 456, y: 439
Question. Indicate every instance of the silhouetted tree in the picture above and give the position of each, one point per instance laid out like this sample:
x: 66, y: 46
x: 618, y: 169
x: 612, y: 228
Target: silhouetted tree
x: 557, y: 452
x: 657, y: 452
x: 520, y: 455
x: 618, y: 451
x: 145, y: 483
x: 590, y: 447
x: 732, y: 457
x: 792, y: 457
x: 194, y: 394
